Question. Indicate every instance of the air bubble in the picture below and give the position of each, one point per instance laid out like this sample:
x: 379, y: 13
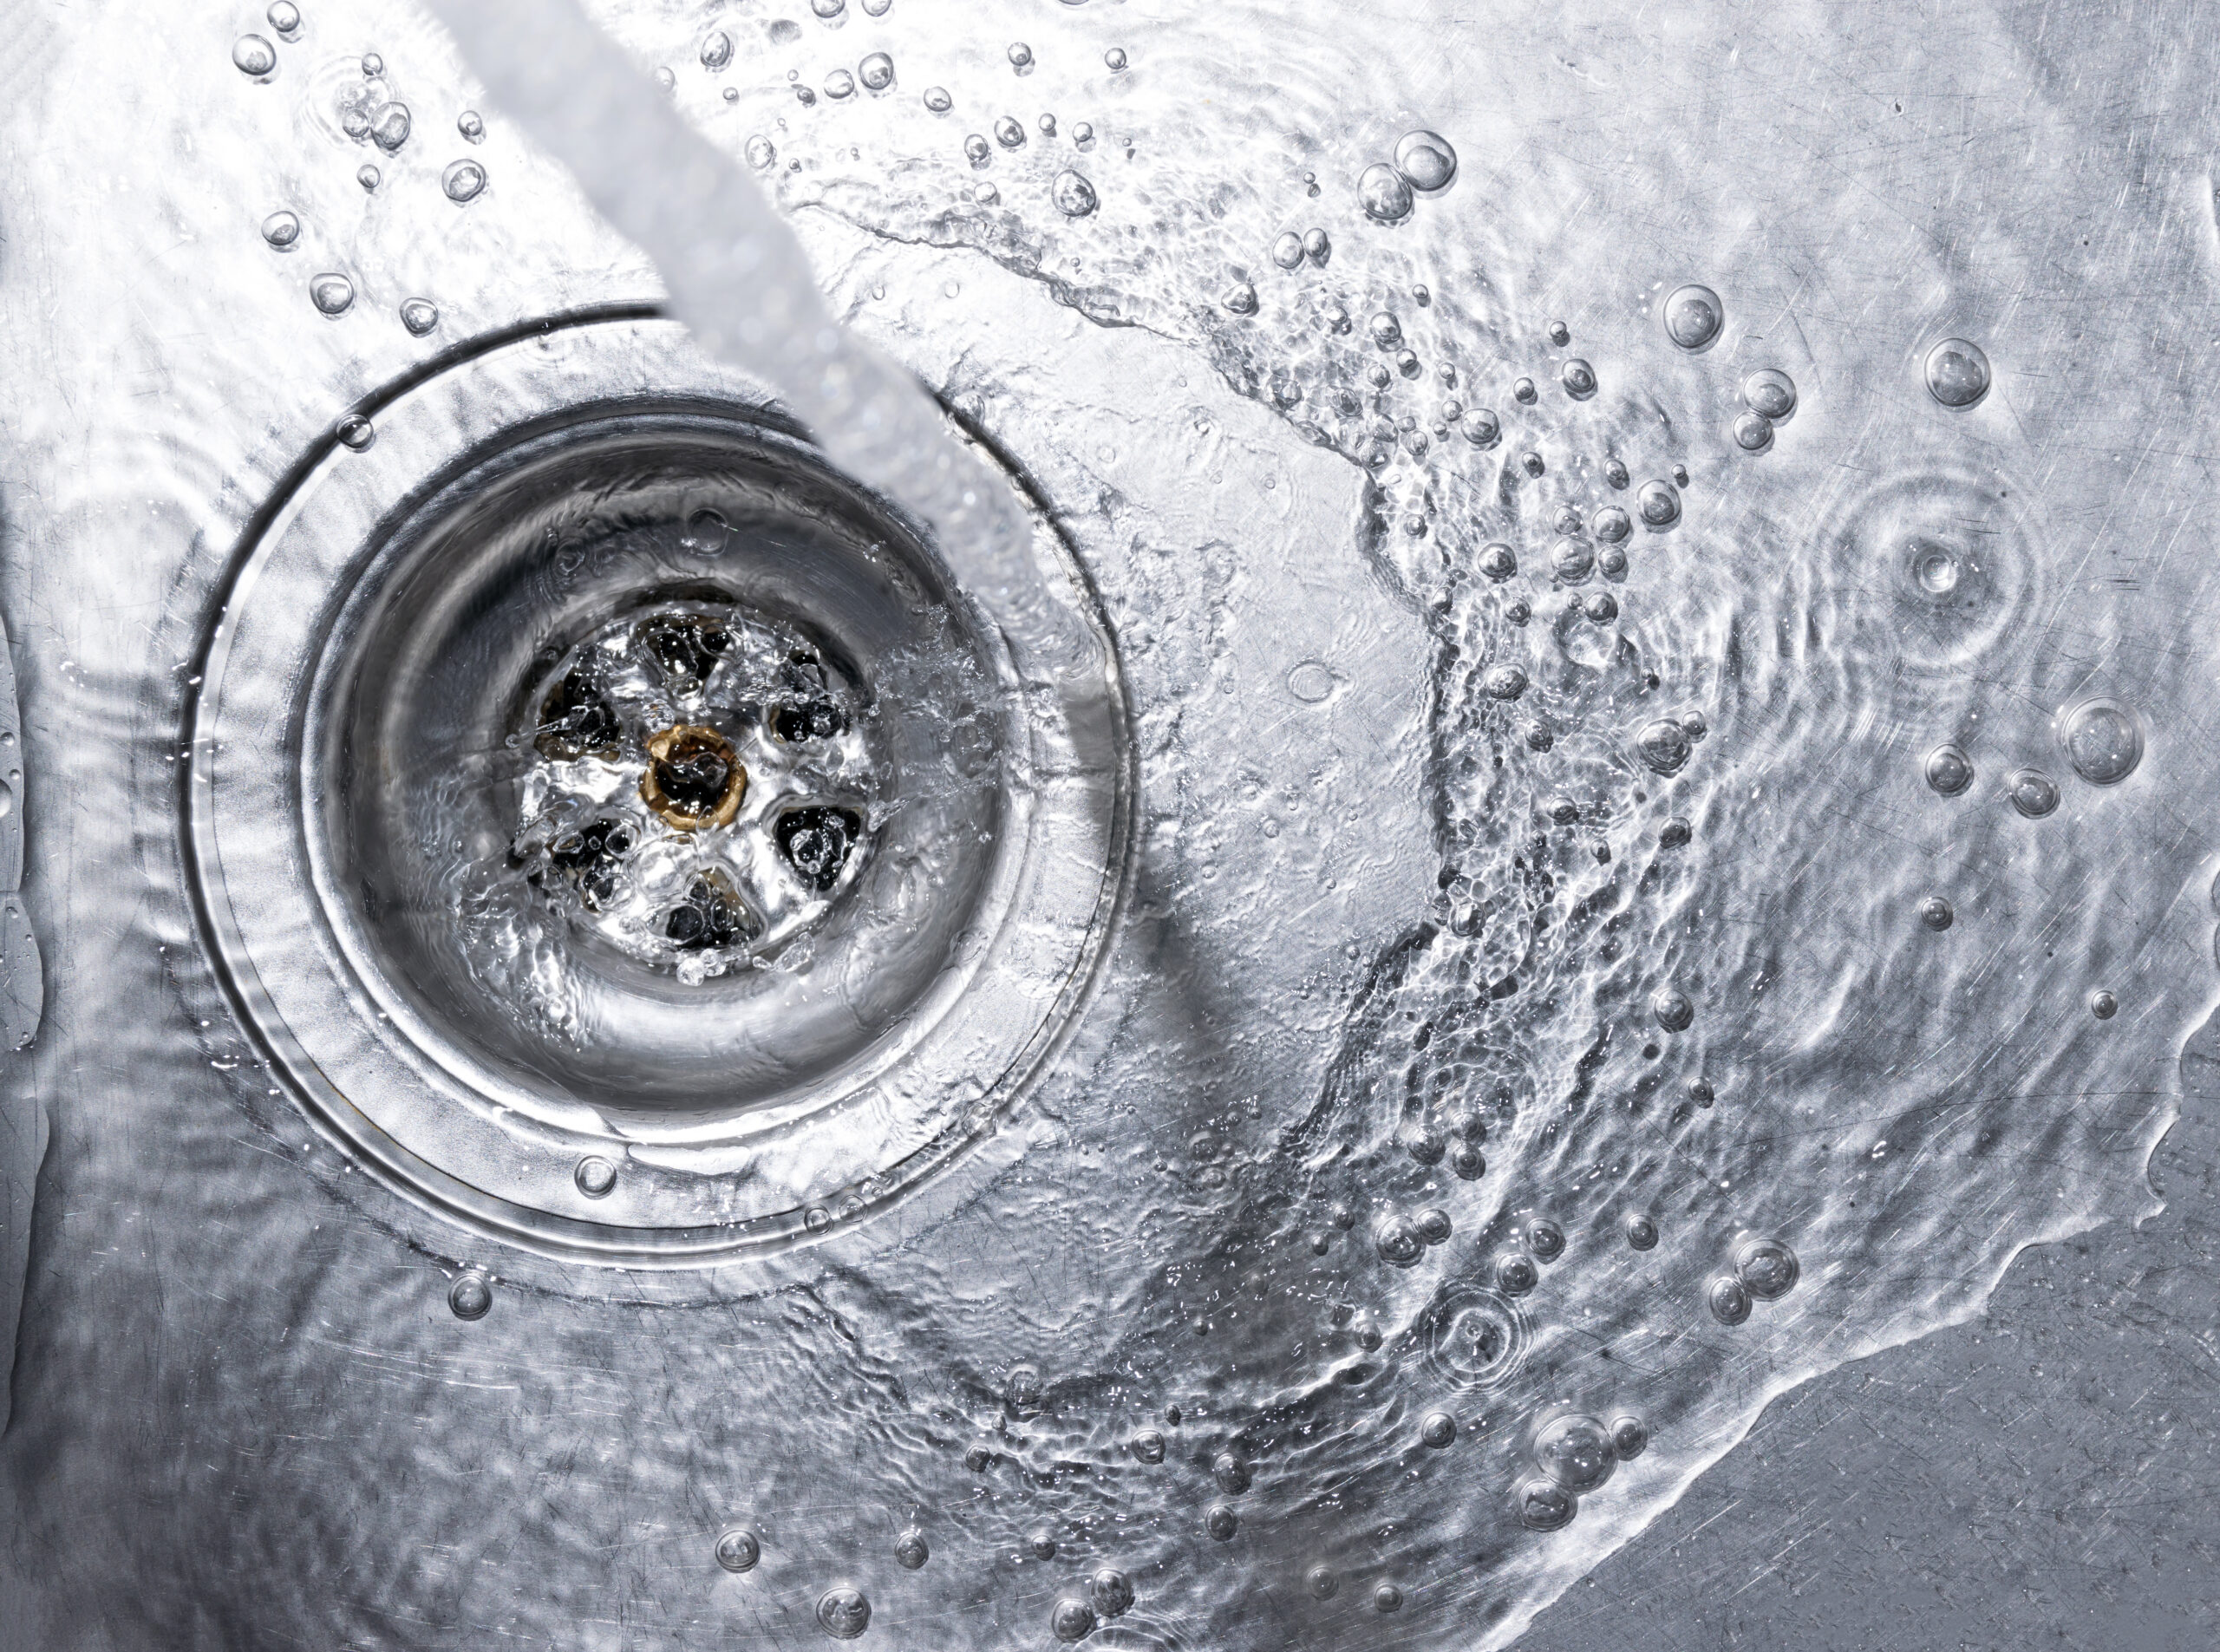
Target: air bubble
x: 1498, y: 562
x: 2103, y: 1005
x: 368, y: 176
x: 1287, y: 251
x: 1571, y: 561
x: 1664, y: 746
x: 1221, y: 1522
x: 1575, y: 1451
x: 911, y: 1548
x: 839, y: 84
x: 1318, y: 247
x: 1114, y: 59
x: 472, y: 125
x: 1387, y: 1598
x: 285, y: 17
x: 1578, y: 379
x: 1641, y: 1230
x: 1112, y: 1592
x: 1074, y: 197
x: 1753, y: 433
x: 471, y: 1296
x: 1629, y: 1438
x: 1240, y: 298
x: 253, y: 56
x: 738, y: 1549
x: 465, y: 180
x: 2032, y: 792
x: 1770, y: 394
x: 1611, y: 525
x: 1439, y: 1431
x: 1546, y: 1239
x: 2103, y: 740
x: 281, y: 230
x: 1692, y: 318
x: 1009, y: 132
x: 1659, y: 504
x: 1426, y: 162
x: 1957, y: 373
x: 1543, y: 1505
x: 1148, y: 1446
x: 828, y: 10
x: 332, y: 293
x: 1948, y: 770
x: 876, y: 72
x: 1504, y: 683
x: 976, y: 149
x: 1767, y: 1269
x: 842, y: 1613
x: 761, y: 153
x: 391, y: 127
x: 1398, y: 1240
x: 1522, y: 392
x: 937, y: 99
x: 1934, y: 911
x: 1384, y: 194
x: 1672, y: 1009
x: 1516, y: 1274
x: 1729, y: 1300
x: 1020, y: 56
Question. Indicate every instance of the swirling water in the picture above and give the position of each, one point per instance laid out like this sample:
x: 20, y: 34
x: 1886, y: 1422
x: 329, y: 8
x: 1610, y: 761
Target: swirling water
x: 1530, y: 1017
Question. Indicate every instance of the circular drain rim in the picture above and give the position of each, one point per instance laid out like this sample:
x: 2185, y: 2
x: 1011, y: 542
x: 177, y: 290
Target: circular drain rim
x: 512, y: 1177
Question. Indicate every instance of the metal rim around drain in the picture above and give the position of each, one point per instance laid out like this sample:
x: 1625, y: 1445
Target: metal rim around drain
x: 779, y: 1101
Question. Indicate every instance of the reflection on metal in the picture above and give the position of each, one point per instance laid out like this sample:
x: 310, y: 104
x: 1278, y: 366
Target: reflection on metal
x: 23, y: 997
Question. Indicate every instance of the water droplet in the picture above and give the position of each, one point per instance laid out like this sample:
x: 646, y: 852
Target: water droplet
x: 1692, y: 318
x: 596, y: 1177
x: 369, y: 177
x: 281, y: 230
x: 1523, y: 391
x: 839, y: 84
x: 1009, y: 132
x: 1439, y: 1431
x: 1578, y: 379
x: 877, y: 8
x: 372, y: 66
x: 1287, y: 251
x: 1575, y: 1451
x: 1663, y: 746
x: 1310, y: 681
x: 391, y: 129
x: 1425, y: 161
x: 876, y: 72
x: 1543, y: 1505
x: 1948, y: 770
x: 1387, y: 1598
x: 1020, y: 56
x: 716, y: 50
x: 1629, y: 1438
x: 842, y: 1613
x: 2103, y: 740
x: 1753, y: 433
x: 807, y: 99
x: 1641, y: 1230
x: 1504, y: 683
x: 1071, y: 1620
x: 1531, y: 464
x: 2103, y: 1005
x: 937, y: 99
x: 252, y: 55
x: 828, y: 10
x: 911, y: 1548
x: 463, y: 181
x: 1041, y: 1544
x: 738, y: 1549
x: 1221, y: 1522
x: 1659, y: 504
x: 1112, y: 1591
x: 1074, y: 196
x: 1674, y: 833
x: 472, y: 125
x: 285, y: 17
x: 974, y: 148
x: 1384, y: 194
x: 1546, y: 1239
x: 1934, y: 911
x: 471, y: 1296
x: 332, y: 293
x: 1767, y: 1269
x: 1148, y: 1446
x: 1957, y: 373
x: 761, y: 153
x: 356, y: 433
x: 1434, y: 1227
x: 1482, y: 428
x: 1115, y: 59
x: 667, y: 79
x: 1318, y: 247
x: 1672, y: 1009
x: 1240, y: 298
x: 1498, y: 562
x: 1770, y: 394
x: 1729, y: 1300
x: 1516, y: 1274
x: 2032, y: 792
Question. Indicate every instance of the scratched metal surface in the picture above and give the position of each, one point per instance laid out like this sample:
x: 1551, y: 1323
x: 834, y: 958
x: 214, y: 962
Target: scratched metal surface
x: 243, y: 1413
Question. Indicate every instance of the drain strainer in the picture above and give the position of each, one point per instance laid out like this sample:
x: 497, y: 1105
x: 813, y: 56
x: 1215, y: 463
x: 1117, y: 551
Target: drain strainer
x: 619, y: 830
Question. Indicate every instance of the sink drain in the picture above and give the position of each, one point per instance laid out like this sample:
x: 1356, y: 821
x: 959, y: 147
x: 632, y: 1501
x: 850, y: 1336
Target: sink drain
x: 614, y: 828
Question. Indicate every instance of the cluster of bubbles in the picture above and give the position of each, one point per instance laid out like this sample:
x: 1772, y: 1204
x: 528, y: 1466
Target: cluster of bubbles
x: 1424, y: 164
x: 368, y: 113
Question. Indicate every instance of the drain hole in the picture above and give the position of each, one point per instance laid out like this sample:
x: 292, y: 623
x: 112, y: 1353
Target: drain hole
x: 714, y: 916
x: 575, y: 719
x: 694, y: 779
x: 685, y: 647
x: 589, y: 858
x: 816, y: 841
